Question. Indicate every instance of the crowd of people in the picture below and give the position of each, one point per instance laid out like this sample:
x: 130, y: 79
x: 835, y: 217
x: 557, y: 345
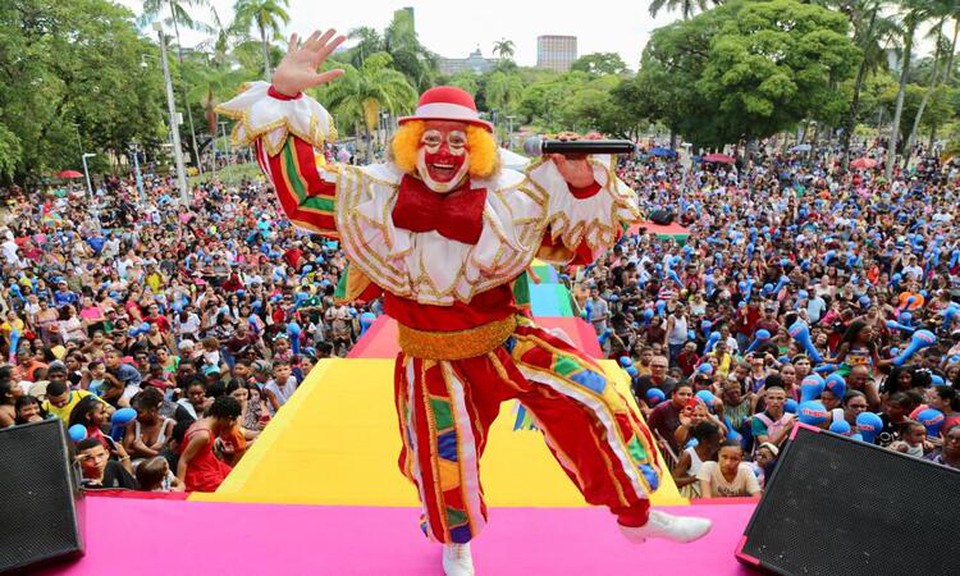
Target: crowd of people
x: 192, y: 323
x: 799, y: 292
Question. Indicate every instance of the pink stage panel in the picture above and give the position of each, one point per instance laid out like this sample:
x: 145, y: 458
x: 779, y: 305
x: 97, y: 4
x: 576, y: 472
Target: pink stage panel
x: 159, y: 538
x: 380, y: 340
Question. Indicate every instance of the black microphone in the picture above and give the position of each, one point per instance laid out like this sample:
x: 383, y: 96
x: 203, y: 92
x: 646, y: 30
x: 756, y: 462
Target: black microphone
x: 537, y: 147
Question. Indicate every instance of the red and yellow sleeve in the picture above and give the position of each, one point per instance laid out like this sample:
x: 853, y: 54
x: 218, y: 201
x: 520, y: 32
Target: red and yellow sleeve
x: 285, y: 131
x: 305, y: 197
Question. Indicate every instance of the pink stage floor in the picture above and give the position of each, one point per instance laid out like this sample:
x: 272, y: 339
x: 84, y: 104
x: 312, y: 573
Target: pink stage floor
x: 157, y: 537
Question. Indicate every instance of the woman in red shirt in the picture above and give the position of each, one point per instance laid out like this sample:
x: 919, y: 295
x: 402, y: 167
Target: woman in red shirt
x: 199, y: 469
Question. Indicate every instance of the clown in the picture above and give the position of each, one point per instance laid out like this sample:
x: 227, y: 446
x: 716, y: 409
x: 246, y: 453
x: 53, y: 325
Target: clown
x: 441, y: 232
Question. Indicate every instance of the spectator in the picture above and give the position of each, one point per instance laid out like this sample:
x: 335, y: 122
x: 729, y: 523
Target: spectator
x: 283, y: 384
x: 10, y: 393
x: 99, y: 471
x: 657, y: 378
x: 154, y: 475
x: 773, y: 425
x: 199, y: 469
x: 29, y: 410
x: 61, y: 400
x: 671, y: 421
x: 949, y: 454
x: 729, y: 476
x: 707, y: 435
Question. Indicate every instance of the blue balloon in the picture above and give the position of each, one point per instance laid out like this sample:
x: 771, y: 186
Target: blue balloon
x: 840, y: 427
x: 933, y: 420
x: 655, y: 396
x: 707, y: 397
x: 836, y: 385
x: 632, y: 371
x: 869, y: 425
x: 123, y: 416
x: 626, y: 361
x: 813, y: 413
x: 77, y: 432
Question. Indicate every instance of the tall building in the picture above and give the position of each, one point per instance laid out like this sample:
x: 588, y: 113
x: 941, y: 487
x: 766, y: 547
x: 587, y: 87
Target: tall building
x: 556, y: 52
x: 475, y: 63
x: 409, y: 14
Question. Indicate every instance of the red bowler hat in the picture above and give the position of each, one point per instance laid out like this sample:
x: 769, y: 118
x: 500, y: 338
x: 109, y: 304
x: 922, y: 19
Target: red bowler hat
x: 448, y: 103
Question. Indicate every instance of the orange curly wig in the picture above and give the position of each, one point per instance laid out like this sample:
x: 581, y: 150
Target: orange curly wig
x: 484, y: 158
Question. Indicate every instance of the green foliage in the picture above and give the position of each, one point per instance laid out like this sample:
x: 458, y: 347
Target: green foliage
x: 941, y: 104
x: 748, y: 70
x: 63, y: 63
x: 358, y: 97
x: 600, y: 64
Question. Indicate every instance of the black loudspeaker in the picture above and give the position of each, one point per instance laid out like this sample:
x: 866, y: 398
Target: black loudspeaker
x: 662, y: 217
x: 41, y: 505
x: 837, y: 506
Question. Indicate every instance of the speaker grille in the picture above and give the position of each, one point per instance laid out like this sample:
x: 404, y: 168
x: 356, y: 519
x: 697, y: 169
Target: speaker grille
x: 838, y: 506
x: 38, y: 520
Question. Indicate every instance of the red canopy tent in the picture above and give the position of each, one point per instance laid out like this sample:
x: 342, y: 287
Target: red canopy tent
x: 69, y: 174
x: 863, y: 163
x: 718, y: 158
x: 672, y: 230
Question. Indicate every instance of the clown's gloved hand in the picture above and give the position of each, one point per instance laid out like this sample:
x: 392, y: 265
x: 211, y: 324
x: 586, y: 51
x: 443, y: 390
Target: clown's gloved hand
x: 298, y: 69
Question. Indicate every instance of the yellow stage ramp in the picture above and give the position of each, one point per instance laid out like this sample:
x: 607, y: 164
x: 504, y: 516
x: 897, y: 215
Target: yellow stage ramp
x: 336, y: 443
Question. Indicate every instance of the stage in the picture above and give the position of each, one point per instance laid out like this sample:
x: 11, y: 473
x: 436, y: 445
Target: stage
x: 162, y: 537
x: 320, y: 493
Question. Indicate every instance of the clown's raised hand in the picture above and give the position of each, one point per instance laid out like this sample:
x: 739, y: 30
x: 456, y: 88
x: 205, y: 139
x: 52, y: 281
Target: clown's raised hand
x: 298, y: 69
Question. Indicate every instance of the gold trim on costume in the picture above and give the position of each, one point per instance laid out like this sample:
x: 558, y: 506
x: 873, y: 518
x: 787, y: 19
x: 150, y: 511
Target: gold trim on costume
x: 457, y: 345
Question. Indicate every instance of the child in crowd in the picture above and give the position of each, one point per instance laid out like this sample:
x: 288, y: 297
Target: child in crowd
x: 707, y: 442
x: 154, y: 475
x: 729, y: 476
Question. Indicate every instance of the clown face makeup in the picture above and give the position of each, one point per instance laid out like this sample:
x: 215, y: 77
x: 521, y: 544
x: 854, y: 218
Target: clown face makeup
x: 443, y: 159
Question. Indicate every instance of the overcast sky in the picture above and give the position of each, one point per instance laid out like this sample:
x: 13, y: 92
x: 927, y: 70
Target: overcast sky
x: 453, y: 29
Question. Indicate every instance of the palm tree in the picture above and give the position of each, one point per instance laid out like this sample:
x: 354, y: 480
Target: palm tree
x: 503, y: 91
x: 179, y: 15
x: 363, y: 92
x: 504, y: 49
x: 942, y: 46
x: 269, y: 16
x: 873, y: 33
x: 686, y: 7
x: 369, y: 42
x: 916, y: 13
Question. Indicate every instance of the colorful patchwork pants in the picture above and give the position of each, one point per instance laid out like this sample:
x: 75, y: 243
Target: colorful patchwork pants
x: 445, y: 410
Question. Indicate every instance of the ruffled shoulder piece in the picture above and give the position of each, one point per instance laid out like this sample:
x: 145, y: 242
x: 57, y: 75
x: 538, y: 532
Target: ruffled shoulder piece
x: 260, y: 115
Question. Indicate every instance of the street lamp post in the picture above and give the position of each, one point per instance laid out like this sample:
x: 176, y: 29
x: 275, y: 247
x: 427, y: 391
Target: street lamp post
x: 226, y: 142
x: 172, y: 109
x: 139, y: 177
x: 86, y: 173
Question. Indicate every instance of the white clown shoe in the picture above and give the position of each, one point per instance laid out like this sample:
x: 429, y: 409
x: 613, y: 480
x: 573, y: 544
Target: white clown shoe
x: 663, y: 525
x: 457, y: 560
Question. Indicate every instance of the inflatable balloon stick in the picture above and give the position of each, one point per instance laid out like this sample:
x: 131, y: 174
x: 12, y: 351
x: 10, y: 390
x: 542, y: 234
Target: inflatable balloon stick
x: 920, y: 339
x: 760, y: 338
x: 800, y: 332
x: 711, y: 342
x: 932, y: 419
x: 813, y: 413
x: 869, y: 425
x: 811, y: 388
x: 366, y: 321
x: 655, y: 396
x: 293, y: 331
x: 894, y: 325
x: 119, y: 421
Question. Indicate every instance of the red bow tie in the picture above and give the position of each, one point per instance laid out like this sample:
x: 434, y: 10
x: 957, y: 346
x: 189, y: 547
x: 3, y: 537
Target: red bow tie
x: 457, y: 215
